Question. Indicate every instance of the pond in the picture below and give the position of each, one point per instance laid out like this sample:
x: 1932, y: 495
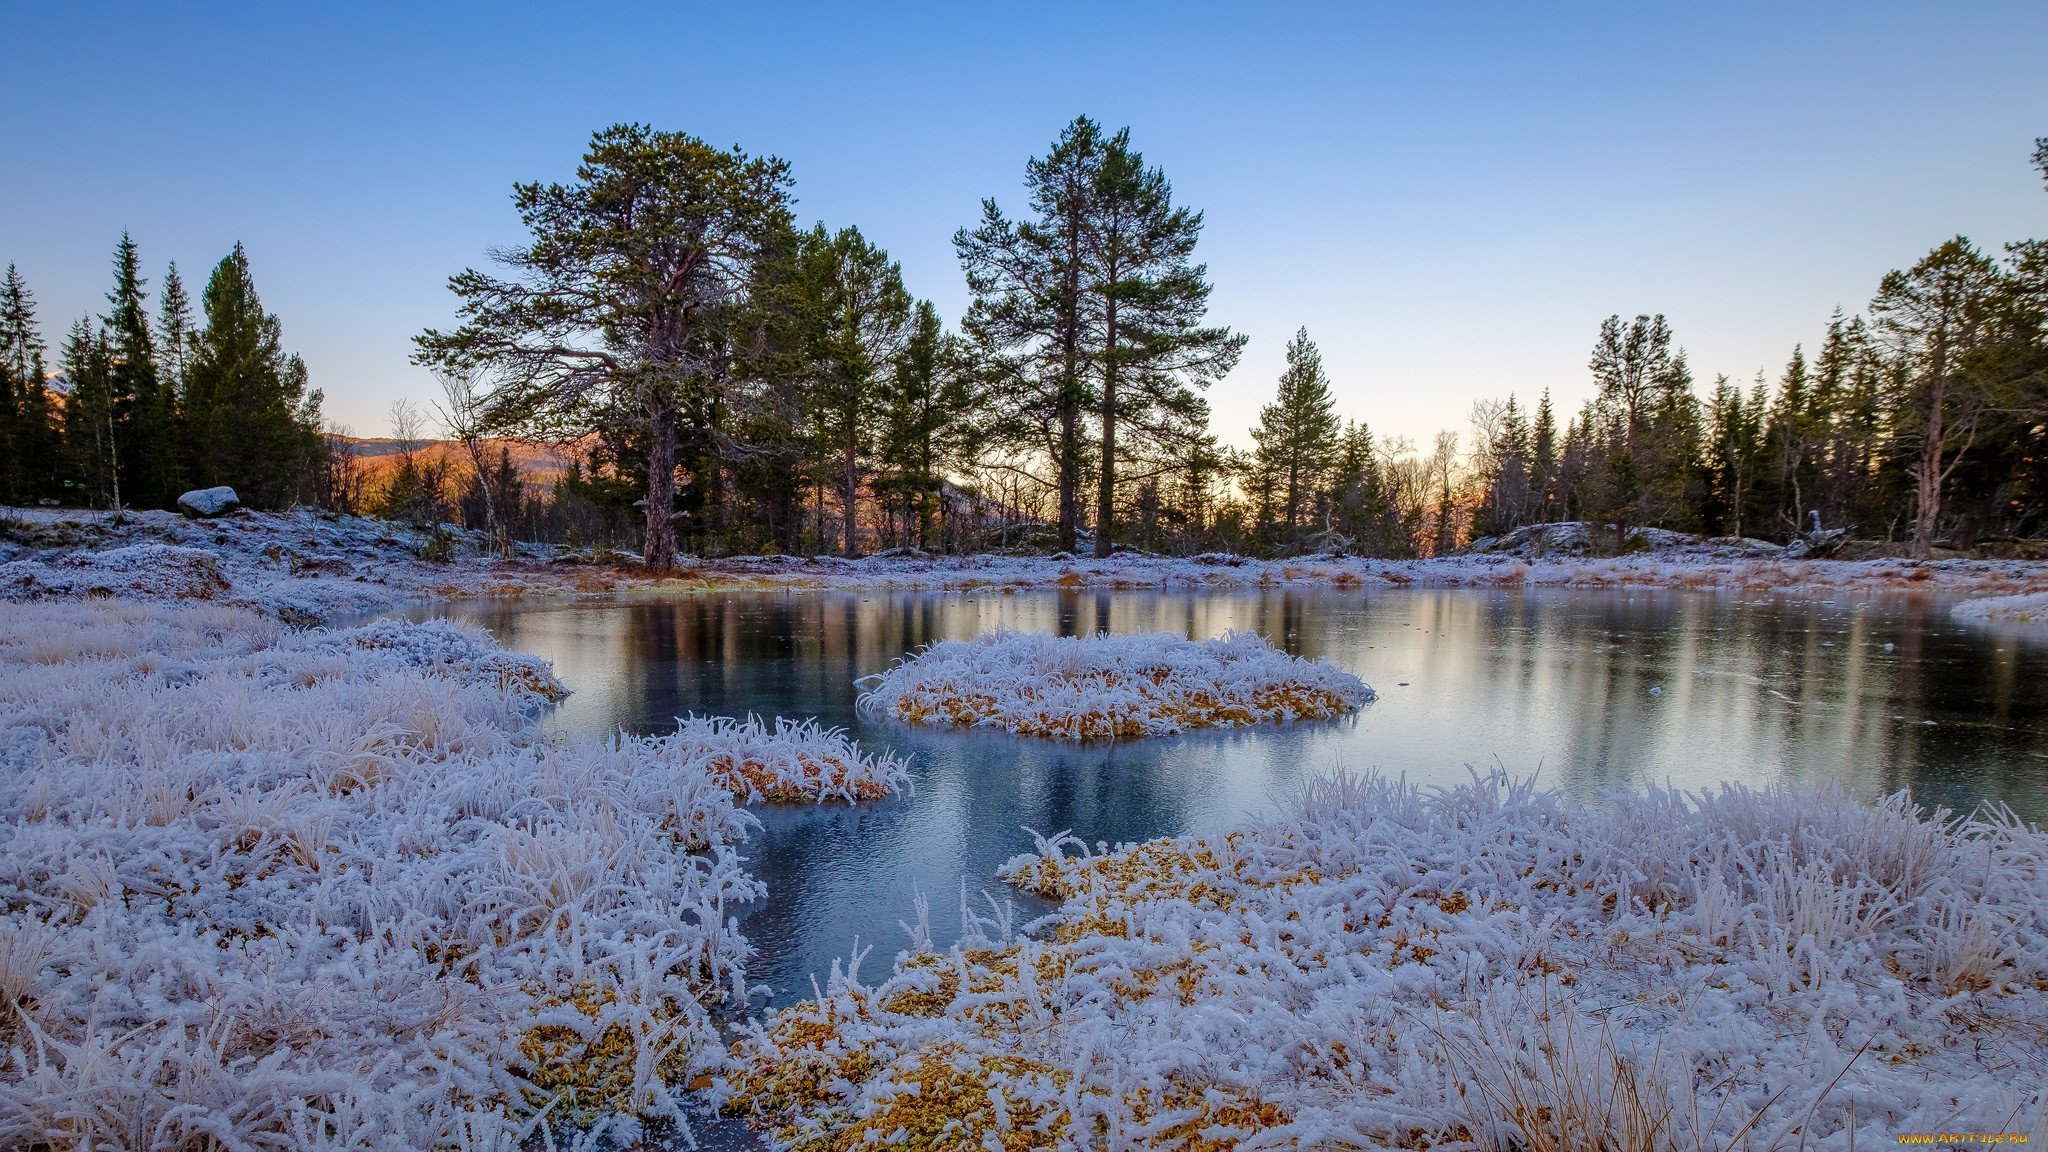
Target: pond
x: 1592, y: 690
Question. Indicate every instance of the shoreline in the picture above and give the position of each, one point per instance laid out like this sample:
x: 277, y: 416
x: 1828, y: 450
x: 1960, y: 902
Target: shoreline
x: 310, y: 568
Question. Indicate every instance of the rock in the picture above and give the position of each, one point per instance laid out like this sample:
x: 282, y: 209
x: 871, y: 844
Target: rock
x: 209, y: 502
x: 1535, y: 541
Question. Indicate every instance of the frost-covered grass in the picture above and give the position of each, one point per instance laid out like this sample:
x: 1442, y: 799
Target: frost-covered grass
x: 270, y: 888
x: 302, y: 566
x: 312, y: 566
x: 1490, y: 967
x: 2026, y: 608
x: 796, y: 761
x: 1109, y: 687
x: 1698, y: 569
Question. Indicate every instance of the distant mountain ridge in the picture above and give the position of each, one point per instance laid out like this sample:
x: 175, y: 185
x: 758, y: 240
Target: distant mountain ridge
x: 537, y: 464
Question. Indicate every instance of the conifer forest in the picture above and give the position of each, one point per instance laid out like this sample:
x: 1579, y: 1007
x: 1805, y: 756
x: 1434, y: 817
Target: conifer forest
x: 722, y: 380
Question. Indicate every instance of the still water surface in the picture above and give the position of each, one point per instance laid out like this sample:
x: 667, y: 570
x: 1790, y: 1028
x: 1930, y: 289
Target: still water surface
x: 1593, y: 690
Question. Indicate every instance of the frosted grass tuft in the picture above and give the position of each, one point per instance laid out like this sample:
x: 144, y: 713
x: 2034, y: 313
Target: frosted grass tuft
x: 1489, y: 967
x: 1106, y: 687
x: 297, y: 889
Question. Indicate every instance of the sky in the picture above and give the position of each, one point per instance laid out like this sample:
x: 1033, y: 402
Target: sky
x: 1448, y: 197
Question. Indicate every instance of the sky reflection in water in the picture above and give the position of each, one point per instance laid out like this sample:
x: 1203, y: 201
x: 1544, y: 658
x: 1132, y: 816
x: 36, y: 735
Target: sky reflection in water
x: 1595, y: 689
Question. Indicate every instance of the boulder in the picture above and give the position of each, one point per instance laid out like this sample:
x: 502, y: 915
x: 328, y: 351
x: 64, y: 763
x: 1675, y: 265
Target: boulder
x: 209, y: 502
x: 1535, y: 541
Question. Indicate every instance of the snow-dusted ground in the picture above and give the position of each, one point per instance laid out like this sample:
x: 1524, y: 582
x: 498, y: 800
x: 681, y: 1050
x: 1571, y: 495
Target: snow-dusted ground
x: 333, y: 887
x: 267, y: 886
x: 313, y: 566
x: 1109, y: 687
x: 1490, y: 967
x: 1697, y: 568
x: 303, y: 567
x: 2029, y: 607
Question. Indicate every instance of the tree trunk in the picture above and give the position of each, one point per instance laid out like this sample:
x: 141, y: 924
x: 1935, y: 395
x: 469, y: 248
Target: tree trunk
x: 1927, y: 475
x: 849, y: 499
x: 1105, y: 493
x: 1070, y: 392
x: 659, y: 527
x: 1293, y: 497
x: 1070, y: 473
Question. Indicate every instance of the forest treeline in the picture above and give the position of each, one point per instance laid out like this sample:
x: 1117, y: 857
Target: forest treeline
x: 141, y: 409
x: 727, y: 381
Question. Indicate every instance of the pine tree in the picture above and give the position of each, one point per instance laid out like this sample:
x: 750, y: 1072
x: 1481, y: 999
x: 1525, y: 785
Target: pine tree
x: 863, y: 326
x: 1936, y: 316
x: 1152, y: 298
x: 1626, y: 364
x: 1296, y: 439
x: 250, y: 421
x: 619, y: 315
x: 1032, y: 319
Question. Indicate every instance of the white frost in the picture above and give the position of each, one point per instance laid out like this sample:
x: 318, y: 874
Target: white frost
x: 1108, y: 687
x: 1487, y: 967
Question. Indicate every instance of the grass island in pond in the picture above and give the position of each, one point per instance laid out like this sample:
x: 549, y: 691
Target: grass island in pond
x: 1110, y: 687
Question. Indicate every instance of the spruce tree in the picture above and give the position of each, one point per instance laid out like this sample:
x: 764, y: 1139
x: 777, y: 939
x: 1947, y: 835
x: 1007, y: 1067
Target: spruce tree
x: 1361, y: 505
x: 1543, y: 460
x: 1503, y: 457
x: 1828, y: 421
x: 13, y: 397
x: 780, y: 466
x: 142, y: 407
x: 250, y: 420
x: 1733, y: 450
x: 90, y: 415
x: 1788, y: 442
x: 173, y: 333
x: 927, y: 424
x: 33, y: 449
x: 1297, y: 434
x: 14, y: 387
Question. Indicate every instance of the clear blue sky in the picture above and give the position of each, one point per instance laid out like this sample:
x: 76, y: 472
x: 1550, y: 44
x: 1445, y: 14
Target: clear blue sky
x: 1449, y: 197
